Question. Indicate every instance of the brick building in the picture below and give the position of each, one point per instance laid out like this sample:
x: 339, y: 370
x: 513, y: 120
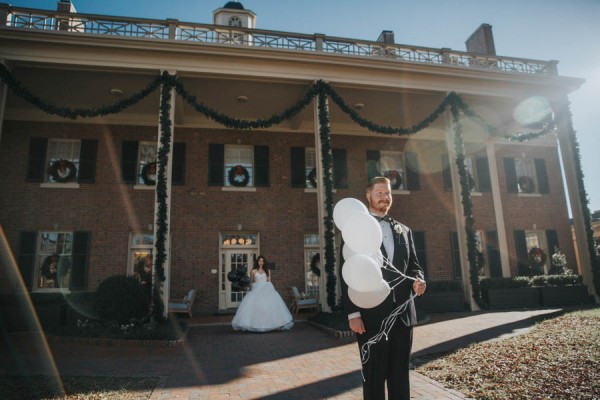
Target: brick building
x: 85, y: 187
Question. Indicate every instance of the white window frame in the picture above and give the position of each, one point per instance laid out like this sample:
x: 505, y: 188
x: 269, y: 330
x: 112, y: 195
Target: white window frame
x: 53, y: 153
x: 62, y: 247
x: 393, y: 160
x: 526, y: 167
x: 139, y: 247
x: 537, y: 238
x: 312, y: 282
x: 245, y: 158
x: 147, y: 153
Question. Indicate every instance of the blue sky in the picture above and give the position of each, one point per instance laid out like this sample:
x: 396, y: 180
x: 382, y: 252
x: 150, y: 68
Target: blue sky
x: 567, y: 31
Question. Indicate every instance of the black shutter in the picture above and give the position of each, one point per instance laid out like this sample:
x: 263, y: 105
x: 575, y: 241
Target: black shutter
x: 552, y: 240
x: 36, y: 160
x: 261, y: 166
x: 216, y: 164
x: 522, y: 254
x: 542, y: 175
x: 178, y: 171
x: 87, y: 161
x: 373, y: 157
x: 454, y: 247
x: 511, y: 175
x: 340, y: 168
x: 412, y: 172
x: 298, y: 167
x: 483, y: 174
x: 79, y: 257
x: 447, y: 172
x: 26, y: 259
x: 419, y: 240
x: 129, y: 154
x: 493, y: 254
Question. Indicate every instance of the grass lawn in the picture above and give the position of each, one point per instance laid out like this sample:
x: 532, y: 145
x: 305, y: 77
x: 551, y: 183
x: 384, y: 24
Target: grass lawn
x: 558, y: 359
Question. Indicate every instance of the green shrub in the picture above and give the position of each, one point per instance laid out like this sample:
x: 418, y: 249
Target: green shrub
x: 120, y: 299
x: 557, y: 280
x: 444, y: 286
x: 505, y: 283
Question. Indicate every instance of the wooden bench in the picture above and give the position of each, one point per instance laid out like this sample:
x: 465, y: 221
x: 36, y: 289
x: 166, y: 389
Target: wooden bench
x: 185, y: 306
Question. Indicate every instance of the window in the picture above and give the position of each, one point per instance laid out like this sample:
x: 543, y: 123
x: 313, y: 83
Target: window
x: 482, y: 270
x: 237, y: 240
x: 401, y: 168
x: 529, y: 242
x: 239, y: 161
x: 235, y: 22
x: 526, y: 175
x: 146, y: 157
x: 63, y: 160
x: 312, y: 264
x: 54, y: 259
x: 142, y: 245
x: 303, y: 163
x: 478, y: 171
x: 310, y: 168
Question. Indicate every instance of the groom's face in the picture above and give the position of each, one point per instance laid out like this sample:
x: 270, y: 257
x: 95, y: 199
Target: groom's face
x: 380, y: 198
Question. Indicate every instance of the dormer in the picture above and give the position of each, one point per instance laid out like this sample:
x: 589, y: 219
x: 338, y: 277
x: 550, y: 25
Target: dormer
x: 234, y: 14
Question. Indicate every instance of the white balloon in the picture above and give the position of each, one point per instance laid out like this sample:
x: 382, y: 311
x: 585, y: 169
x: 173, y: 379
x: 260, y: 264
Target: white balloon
x: 370, y: 299
x: 346, y: 207
x: 362, y: 273
x: 362, y: 233
x: 348, y: 252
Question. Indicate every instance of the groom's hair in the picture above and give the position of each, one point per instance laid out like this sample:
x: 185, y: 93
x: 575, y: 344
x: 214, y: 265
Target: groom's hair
x: 376, y: 180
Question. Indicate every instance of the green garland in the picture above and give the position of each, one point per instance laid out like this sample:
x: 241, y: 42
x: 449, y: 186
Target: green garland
x: 322, y: 90
x: 326, y: 159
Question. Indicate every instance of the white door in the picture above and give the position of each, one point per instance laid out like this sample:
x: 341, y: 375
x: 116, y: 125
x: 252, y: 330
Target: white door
x: 236, y: 261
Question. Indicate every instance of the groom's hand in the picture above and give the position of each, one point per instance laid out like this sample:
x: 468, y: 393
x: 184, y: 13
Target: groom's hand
x: 419, y: 287
x: 356, y: 325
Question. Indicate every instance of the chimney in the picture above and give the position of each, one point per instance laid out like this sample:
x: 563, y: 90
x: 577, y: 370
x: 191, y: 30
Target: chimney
x: 386, y: 37
x: 65, y: 6
x: 482, y: 41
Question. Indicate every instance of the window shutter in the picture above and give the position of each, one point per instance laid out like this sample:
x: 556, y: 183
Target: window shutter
x: 36, y: 159
x: 447, y: 172
x: 552, y: 240
x: 261, y: 166
x: 493, y: 254
x: 340, y: 168
x: 298, y: 167
x: 542, y: 175
x: 412, y: 172
x: 87, y: 161
x: 511, y: 175
x: 26, y: 260
x: 419, y: 240
x: 454, y: 246
x: 373, y: 157
x: 79, y: 264
x: 129, y: 161
x: 178, y: 171
x: 483, y: 174
x: 522, y: 256
x: 216, y: 164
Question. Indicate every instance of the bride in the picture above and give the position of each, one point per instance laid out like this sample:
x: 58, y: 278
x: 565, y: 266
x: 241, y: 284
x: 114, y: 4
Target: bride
x: 262, y: 309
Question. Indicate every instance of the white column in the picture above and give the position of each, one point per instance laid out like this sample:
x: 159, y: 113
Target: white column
x: 570, y: 171
x: 459, y: 213
x: 168, y: 171
x: 498, y: 210
x: 322, y: 212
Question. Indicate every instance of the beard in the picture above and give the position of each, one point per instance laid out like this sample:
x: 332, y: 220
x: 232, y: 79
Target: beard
x: 380, y: 206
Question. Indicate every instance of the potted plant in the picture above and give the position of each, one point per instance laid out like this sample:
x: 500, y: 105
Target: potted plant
x: 442, y: 296
x: 514, y: 292
x: 561, y: 290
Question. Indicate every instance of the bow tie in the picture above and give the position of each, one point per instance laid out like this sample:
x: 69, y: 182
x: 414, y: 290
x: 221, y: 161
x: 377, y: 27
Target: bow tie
x: 384, y: 218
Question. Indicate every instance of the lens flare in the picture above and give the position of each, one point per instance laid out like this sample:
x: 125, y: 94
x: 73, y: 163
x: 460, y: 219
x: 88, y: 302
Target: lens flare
x: 532, y: 110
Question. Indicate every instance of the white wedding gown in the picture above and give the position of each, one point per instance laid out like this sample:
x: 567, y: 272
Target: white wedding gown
x: 262, y: 309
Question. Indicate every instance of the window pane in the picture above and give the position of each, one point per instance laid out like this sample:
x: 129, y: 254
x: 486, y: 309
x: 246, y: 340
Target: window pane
x: 311, y: 239
x: 310, y: 164
x: 391, y: 165
x: 67, y: 150
x: 54, y: 259
x: 146, y: 155
x: 239, y: 156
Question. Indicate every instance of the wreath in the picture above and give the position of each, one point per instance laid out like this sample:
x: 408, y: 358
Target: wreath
x: 526, y: 184
x: 63, y: 171
x: 537, y: 259
x: 148, y: 171
x: 238, y: 176
x: 395, y: 178
x: 313, y: 264
x: 312, y: 177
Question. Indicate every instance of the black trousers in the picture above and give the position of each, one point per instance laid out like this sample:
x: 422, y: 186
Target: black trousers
x: 388, y: 363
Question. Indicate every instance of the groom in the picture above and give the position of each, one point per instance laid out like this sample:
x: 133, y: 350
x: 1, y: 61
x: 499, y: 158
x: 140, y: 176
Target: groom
x: 389, y: 357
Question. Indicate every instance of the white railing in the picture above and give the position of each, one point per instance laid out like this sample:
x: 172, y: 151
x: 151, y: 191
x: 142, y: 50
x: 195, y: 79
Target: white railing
x: 172, y: 29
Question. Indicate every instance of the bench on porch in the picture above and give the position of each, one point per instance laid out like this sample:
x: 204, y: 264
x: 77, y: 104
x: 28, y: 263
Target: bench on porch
x: 186, y: 304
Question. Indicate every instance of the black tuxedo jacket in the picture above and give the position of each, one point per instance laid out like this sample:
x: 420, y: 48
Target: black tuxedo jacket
x: 405, y: 260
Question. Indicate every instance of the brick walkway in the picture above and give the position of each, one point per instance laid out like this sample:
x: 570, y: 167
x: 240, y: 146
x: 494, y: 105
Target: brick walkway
x: 218, y: 363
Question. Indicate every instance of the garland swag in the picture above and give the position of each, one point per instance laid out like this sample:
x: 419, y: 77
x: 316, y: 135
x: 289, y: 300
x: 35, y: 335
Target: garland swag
x: 322, y: 90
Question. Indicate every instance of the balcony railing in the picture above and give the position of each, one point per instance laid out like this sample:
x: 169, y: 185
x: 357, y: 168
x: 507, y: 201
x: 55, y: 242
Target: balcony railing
x: 172, y: 29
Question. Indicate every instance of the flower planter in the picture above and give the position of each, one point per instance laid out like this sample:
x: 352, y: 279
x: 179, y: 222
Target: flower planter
x: 513, y: 298
x: 564, y: 295
x: 441, y: 302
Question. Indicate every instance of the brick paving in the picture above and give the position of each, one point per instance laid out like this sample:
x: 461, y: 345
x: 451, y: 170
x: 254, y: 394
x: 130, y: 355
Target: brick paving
x: 216, y: 362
